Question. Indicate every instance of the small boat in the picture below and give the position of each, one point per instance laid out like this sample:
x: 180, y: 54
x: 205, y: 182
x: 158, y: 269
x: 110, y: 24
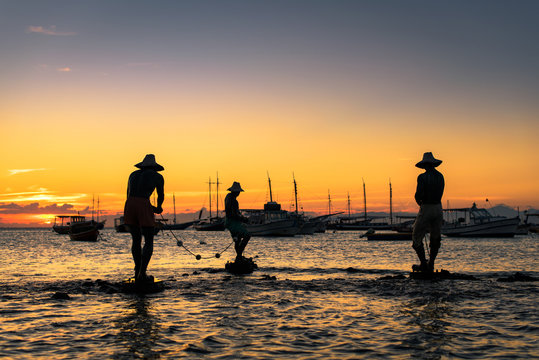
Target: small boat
x: 477, y: 222
x: 531, y: 227
x: 84, y: 231
x: 61, y: 225
x: 388, y: 235
x: 307, y: 226
x: 211, y: 224
x: 272, y: 220
x: 175, y: 225
x: 119, y: 225
x: 322, y: 221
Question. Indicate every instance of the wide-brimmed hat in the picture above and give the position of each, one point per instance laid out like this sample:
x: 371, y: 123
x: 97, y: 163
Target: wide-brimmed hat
x: 236, y: 187
x: 149, y: 161
x: 428, y: 160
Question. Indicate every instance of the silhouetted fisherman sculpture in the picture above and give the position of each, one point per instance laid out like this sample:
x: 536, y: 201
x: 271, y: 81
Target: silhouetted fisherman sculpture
x: 139, y: 212
x: 428, y: 195
x: 234, y: 223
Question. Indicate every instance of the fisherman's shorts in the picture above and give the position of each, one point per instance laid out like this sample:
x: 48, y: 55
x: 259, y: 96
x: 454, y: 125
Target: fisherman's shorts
x: 236, y: 228
x: 139, y: 212
x: 429, y: 220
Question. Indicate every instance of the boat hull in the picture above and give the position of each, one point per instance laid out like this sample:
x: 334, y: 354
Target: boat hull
x: 390, y: 236
x: 286, y: 227
x: 495, y: 228
x: 89, y: 235
x: 61, y: 229
x: 214, y: 225
x: 354, y: 227
x: 308, y: 228
x: 181, y: 226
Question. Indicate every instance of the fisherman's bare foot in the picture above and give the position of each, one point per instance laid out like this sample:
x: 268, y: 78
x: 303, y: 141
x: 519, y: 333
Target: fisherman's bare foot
x: 423, y: 267
x: 142, y: 278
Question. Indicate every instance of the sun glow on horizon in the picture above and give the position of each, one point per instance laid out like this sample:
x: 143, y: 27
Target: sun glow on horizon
x: 332, y: 96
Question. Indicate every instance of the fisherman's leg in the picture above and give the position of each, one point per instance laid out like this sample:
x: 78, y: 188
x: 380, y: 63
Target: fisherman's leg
x: 136, y: 250
x: 238, y: 247
x: 147, y: 250
x: 434, y: 247
x: 435, y: 238
x: 418, y: 234
x: 244, y: 241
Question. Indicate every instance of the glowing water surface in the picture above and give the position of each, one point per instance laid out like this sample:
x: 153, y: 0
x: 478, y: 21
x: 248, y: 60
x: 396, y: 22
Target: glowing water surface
x: 332, y: 295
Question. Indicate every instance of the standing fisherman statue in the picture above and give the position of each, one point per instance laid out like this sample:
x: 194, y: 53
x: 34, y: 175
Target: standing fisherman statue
x: 428, y: 195
x: 139, y: 212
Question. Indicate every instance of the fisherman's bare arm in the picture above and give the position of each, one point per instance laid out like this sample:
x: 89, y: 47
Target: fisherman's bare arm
x: 160, y: 188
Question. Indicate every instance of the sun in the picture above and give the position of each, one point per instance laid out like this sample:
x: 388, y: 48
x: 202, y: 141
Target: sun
x: 46, y: 219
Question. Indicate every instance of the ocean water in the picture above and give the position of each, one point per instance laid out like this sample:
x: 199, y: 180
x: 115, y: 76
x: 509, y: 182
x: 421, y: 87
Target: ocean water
x: 326, y: 296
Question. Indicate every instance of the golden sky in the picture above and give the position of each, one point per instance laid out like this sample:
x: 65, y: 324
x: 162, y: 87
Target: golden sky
x: 332, y: 92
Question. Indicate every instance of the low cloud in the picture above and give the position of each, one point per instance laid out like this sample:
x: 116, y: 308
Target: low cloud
x: 34, y: 208
x: 49, y: 31
x: 21, y: 171
x: 64, y: 69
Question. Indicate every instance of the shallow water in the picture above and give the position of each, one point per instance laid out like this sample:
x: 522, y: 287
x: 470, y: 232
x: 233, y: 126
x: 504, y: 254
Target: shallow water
x: 330, y: 295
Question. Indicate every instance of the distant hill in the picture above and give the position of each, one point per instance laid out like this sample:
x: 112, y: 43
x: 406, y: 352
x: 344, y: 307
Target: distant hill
x: 507, y: 211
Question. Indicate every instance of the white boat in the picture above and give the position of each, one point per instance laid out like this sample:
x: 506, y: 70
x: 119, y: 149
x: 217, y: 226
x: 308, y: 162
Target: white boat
x: 272, y: 220
x: 476, y: 222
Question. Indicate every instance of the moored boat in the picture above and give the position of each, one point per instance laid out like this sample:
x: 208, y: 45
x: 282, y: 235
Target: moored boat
x: 84, y: 231
x: 61, y: 225
x: 272, y: 220
x: 175, y: 225
x: 210, y: 224
x: 477, y: 222
x: 388, y: 235
x: 119, y: 225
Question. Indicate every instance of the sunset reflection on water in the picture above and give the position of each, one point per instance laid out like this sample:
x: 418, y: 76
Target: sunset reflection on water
x: 326, y: 296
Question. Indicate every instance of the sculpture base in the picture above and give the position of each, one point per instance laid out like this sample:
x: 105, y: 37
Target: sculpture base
x: 245, y: 266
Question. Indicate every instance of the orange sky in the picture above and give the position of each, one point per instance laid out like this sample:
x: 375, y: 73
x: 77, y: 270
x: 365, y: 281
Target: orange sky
x: 333, y: 104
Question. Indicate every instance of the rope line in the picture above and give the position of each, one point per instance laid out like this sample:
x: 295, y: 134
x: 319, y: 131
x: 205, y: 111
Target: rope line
x: 197, y: 256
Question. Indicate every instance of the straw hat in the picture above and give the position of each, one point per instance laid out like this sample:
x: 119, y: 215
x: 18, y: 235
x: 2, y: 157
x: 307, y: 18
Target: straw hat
x: 149, y: 162
x: 236, y: 187
x: 428, y: 160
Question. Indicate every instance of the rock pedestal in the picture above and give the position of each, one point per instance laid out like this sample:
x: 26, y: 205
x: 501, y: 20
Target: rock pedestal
x: 244, y: 266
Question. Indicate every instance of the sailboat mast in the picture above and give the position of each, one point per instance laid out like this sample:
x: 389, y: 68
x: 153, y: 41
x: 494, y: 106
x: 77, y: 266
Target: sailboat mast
x: 329, y: 203
x: 390, y: 203
x: 209, y: 185
x: 269, y: 182
x: 174, y: 202
x: 93, y: 203
x: 349, y: 204
x: 217, y: 195
x: 98, y: 209
x: 364, y: 200
x: 295, y: 192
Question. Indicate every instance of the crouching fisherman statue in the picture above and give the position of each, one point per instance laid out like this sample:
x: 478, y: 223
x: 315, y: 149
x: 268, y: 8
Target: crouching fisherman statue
x: 234, y: 222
